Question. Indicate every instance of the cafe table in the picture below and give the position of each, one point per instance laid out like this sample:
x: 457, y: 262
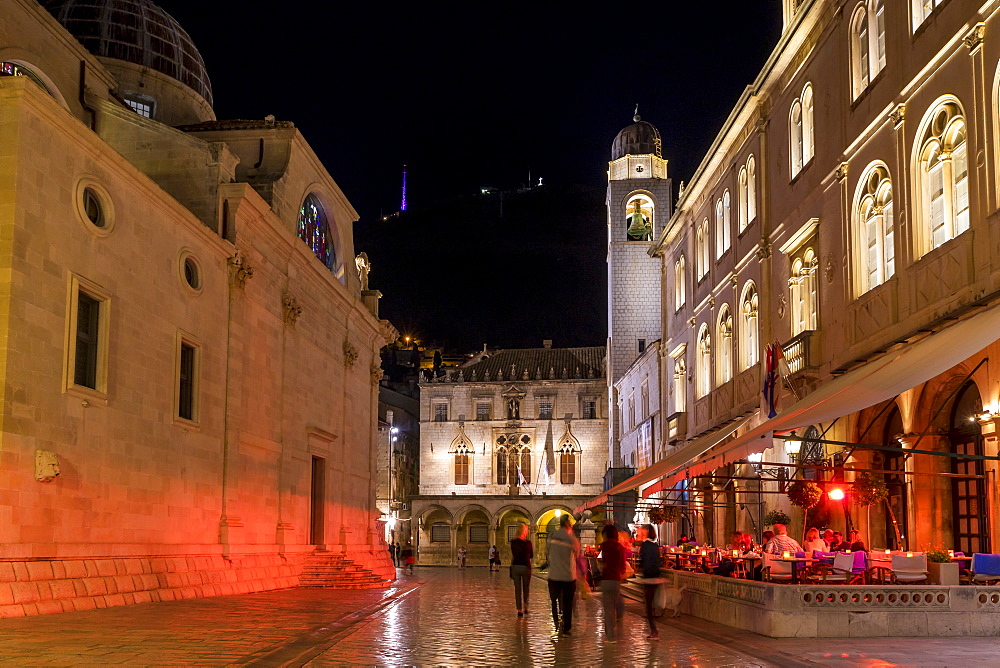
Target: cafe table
x: 797, y: 560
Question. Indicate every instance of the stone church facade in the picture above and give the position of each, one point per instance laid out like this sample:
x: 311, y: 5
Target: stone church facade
x: 189, y: 366
x: 510, y: 436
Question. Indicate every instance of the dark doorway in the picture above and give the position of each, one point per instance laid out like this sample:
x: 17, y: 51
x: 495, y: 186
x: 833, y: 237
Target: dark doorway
x: 317, y: 500
x: 971, y: 514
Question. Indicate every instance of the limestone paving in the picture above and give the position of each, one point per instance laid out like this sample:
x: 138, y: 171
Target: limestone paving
x: 439, y: 616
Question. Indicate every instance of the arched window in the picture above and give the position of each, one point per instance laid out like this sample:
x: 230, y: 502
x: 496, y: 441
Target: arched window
x: 751, y: 190
x: 875, y: 238
x: 639, y: 218
x: 795, y: 136
x: 860, y: 50
x: 741, y: 196
x: 750, y: 338
x: 314, y: 229
x: 804, y: 297
x: 702, y: 252
x: 567, y: 466
x: 502, y: 466
x: 704, y: 369
x: 921, y: 10
x: 680, y: 384
x: 526, y: 465
x: 720, y: 235
x: 943, y: 175
x: 680, y: 288
x: 724, y: 352
x: 727, y: 222
x: 868, y: 55
x: 808, y: 133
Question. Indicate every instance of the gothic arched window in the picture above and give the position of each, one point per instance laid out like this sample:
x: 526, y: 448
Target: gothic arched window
x: 724, y: 351
x: 314, y: 229
x: 461, y: 468
x: 741, y: 196
x: 727, y: 222
x: 867, y: 43
x: 502, y: 466
x: 750, y: 337
x: 874, y: 228
x: 567, y: 467
x: 942, y: 171
x: 680, y: 384
x: 751, y: 190
x: 801, y: 135
x: 704, y: 369
x: 526, y: 464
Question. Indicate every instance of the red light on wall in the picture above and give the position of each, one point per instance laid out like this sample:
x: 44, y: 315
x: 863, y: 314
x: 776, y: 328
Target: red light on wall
x: 836, y: 494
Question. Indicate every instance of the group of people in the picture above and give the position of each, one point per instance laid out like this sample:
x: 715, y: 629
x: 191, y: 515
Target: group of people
x: 402, y: 555
x: 568, y: 573
x: 830, y: 541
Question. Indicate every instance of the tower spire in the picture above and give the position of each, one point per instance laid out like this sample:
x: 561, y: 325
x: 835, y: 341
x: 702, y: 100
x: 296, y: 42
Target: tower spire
x: 636, y: 117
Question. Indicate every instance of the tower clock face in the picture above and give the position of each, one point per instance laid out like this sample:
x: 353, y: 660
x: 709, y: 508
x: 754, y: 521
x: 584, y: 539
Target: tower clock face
x: 639, y: 169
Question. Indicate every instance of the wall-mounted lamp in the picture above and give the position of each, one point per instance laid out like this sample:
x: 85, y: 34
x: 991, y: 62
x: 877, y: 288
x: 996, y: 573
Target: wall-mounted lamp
x: 837, y: 494
x: 793, y: 444
x: 982, y: 418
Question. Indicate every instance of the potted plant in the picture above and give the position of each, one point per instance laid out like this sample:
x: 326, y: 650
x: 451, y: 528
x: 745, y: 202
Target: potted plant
x: 941, y: 570
x: 775, y: 517
x: 804, y: 494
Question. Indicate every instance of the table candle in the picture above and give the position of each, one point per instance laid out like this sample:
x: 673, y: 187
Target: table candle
x: 909, y: 554
x: 786, y: 555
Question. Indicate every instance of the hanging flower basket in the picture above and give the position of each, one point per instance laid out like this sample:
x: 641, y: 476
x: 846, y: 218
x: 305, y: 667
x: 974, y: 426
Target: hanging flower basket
x: 664, y: 514
x: 804, y: 494
x: 869, y: 489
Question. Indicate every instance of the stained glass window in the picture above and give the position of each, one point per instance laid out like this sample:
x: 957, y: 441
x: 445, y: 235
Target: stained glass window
x: 315, y: 230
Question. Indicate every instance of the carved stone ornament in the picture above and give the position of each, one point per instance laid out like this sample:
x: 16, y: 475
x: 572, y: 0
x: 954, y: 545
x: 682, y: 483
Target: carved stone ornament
x: 831, y: 268
x: 974, y: 39
x: 764, y: 250
x: 736, y: 280
x: 350, y: 354
x: 364, y: 266
x: 239, y: 270
x: 898, y: 114
x: 46, y: 466
x: 711, y: 301
x: 782, y: 305
x: 290, y: 310
x: 376, y: 373
x: 388, y: 332
x: 692, y: 321
x: 841, y: 172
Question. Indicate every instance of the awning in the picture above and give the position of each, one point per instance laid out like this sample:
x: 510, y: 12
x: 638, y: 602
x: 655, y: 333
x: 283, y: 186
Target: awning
x: 678, y: 457
x: 879, y: 380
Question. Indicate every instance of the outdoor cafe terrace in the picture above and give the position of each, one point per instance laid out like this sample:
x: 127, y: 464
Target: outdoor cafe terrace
x: 879, y: 593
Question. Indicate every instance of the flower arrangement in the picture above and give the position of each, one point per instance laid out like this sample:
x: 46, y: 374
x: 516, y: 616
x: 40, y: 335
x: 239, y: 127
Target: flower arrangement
x: 664, y: 514
x: 775, y: 517
x: 804, y: 494
x: 938, y: 555
x: 869, y: 490
x: 688, y: 547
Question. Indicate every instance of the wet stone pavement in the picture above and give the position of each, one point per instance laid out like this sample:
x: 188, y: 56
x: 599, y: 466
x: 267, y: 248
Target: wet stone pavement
x: 435, y: 617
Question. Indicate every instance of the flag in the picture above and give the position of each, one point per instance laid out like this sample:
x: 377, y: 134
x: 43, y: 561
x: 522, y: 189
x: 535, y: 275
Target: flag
x: 770, y: 381
x: 550, y: 457
x: 782, y: 365
x: 520, y: 477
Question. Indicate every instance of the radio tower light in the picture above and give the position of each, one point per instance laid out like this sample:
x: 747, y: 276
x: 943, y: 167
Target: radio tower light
x: 402, y: 206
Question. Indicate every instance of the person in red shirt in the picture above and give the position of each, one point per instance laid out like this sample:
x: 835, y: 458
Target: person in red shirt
x: 612, y: 572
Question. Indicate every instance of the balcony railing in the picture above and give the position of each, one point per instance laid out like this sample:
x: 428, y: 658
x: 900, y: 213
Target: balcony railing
x: 798, y: 352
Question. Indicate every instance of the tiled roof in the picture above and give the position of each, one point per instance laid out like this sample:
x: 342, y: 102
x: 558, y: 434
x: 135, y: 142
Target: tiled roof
x: 535, y: 364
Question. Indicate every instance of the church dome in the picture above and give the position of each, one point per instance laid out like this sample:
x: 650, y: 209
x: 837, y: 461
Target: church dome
x: 137, y: 32
x: 640, y: 138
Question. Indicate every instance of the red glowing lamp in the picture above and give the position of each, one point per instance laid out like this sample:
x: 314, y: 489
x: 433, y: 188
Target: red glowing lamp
x: 836, y: 494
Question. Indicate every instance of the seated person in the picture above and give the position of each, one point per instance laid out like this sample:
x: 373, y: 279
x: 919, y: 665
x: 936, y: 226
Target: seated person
x: 683, y: 539
x: 838, y: 544
x: 813, y: 542
x: 856, y: 544
x: 782, y: 542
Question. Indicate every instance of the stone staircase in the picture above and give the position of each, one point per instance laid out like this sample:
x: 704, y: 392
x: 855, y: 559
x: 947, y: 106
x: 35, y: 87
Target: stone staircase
x: 334, y: 571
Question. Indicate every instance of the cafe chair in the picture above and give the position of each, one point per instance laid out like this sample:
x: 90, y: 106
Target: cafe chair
x: 985, y: 568
x: 842, y: 570
x: 775, y: 570
x: 905, y: 570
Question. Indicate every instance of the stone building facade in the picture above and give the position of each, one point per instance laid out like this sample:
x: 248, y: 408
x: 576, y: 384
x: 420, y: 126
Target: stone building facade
x: 189, y: 371
x: 511, y: 436
x: 848, y: 210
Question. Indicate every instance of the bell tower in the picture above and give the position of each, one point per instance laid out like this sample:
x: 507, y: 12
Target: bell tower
x: 639, y: 203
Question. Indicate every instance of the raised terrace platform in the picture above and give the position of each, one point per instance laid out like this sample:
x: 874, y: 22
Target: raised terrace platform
x: 834, y: 611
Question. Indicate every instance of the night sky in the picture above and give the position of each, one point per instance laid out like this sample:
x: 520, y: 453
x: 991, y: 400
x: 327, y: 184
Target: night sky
x: 473, y: 94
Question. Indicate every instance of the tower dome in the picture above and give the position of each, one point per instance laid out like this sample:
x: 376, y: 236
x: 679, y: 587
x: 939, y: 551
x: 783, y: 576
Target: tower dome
x: 139, y: 33
x: 640, y: 138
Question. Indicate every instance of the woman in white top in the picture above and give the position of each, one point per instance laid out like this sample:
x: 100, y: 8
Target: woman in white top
x: 814, y: 542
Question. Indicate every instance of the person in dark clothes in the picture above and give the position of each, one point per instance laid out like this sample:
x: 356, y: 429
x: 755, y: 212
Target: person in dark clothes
x: 522, y: 552
x: 649, y: 566
x: 612, y: 572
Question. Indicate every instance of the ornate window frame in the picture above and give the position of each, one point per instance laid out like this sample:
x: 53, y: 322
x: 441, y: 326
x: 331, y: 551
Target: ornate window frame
x: 874, y: 228
x: 749, y: 326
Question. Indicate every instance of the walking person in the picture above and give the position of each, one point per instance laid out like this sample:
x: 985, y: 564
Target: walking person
x: 494, y: 559
x: 564, y: 549
x: 396, y: 556
x: 612, y: 572
x: 462, y: 552
x: 408, y: 558
x: 522, y: 552
x: 649, y: 566
x: 392, y: 553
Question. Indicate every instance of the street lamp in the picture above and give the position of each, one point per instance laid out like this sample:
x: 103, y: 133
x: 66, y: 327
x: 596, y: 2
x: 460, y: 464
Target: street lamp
x: 793, y: 444
x: 836, y: 494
